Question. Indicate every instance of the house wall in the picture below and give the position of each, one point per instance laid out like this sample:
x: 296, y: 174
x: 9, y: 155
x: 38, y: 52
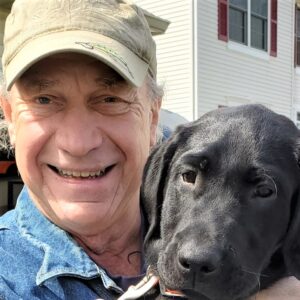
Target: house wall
x: 175, y: 53
x: 296, y: 106
x: 230, y: 76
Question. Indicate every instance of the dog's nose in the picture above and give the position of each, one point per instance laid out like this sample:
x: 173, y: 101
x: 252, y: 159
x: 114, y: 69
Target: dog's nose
x: 201, y: 263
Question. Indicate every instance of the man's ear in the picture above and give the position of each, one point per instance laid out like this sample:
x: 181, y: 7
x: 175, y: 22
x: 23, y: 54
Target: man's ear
x: 7, y: 112
x: 155, y: 108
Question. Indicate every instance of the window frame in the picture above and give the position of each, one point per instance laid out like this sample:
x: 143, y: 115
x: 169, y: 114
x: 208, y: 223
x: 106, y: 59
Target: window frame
x: 245, y: 21
x: 222, y: 27
x: 265, y: 21
x: 248, y: 24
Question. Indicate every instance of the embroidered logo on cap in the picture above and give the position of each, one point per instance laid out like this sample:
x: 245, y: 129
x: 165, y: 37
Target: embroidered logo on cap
x: 114, y: 55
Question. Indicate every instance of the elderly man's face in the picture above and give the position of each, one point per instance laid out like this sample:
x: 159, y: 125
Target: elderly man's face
x: 81, y: 136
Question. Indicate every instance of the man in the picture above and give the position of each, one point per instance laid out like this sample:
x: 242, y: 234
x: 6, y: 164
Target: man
x: 82, y: 119
x: 82, y: 110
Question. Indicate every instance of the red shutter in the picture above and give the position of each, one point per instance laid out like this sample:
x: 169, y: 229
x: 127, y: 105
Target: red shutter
x: 223, y: 20
x: 273, y: 50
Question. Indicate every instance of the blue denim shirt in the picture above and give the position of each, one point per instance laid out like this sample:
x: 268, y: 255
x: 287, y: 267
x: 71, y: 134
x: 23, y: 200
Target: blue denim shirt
x: 38, y: 260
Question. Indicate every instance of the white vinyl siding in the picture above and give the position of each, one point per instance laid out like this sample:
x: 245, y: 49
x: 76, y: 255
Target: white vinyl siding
x: 175, y: 53
x: 297, y: 93
x: 232, y: 76
x: 225, y: 73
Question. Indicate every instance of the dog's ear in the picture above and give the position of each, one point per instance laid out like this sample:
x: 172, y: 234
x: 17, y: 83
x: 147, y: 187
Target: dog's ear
x: 291, y: 247
x: 154, y: 181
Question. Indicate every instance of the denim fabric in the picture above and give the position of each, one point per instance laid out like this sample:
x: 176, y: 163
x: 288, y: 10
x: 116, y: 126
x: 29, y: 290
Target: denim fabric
x: 38, y: 260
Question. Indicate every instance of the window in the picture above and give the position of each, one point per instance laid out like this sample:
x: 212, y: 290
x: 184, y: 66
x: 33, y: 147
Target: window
x: 249, y: 22
x: 238, y: 14
x: 259, y: 24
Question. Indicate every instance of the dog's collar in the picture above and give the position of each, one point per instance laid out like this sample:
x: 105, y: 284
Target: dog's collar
x: 145, y: 285
x: 171, y: 293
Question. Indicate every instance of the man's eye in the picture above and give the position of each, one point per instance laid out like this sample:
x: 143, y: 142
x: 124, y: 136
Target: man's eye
x: 111, y: 99
x: 110, y: 105
x: 43, y: 100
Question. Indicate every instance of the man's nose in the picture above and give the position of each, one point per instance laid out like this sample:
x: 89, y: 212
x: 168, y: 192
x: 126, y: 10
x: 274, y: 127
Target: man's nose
x: 79, y: 133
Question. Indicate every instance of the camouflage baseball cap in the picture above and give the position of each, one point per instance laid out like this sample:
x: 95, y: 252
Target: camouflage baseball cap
x: 113, y: 31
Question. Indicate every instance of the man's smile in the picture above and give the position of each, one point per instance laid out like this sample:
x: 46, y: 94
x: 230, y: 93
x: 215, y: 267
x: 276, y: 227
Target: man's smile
x: 81, y: 174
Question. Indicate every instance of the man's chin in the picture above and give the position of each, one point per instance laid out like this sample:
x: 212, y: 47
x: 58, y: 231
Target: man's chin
x: 76, y: 216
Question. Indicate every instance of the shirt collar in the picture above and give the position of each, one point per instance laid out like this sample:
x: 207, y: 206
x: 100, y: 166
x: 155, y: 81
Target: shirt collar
x: 62, y: 255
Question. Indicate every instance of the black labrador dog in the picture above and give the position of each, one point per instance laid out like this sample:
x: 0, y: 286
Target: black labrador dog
x: 222, y: 201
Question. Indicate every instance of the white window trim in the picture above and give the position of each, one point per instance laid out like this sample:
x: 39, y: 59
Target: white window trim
x: 247, y: 49
x: 234, y: 46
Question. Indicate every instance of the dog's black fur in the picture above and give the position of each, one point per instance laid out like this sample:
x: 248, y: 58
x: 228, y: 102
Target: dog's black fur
x: 222, y: 201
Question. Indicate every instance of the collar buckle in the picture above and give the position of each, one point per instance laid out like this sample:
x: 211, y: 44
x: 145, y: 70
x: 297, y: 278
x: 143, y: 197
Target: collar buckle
x: 146, y: 284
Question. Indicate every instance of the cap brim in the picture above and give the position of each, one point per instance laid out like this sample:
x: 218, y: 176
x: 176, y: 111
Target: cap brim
x: 114, y: 54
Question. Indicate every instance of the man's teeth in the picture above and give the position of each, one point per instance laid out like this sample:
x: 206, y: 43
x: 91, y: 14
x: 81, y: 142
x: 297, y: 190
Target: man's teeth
x: 78, y: 174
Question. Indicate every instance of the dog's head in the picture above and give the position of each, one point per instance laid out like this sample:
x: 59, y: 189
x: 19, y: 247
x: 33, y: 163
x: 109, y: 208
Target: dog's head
x: 221, y: 198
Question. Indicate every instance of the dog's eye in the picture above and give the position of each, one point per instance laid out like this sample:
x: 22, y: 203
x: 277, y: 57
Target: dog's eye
x: 263, y: 191
x: 189, y: 176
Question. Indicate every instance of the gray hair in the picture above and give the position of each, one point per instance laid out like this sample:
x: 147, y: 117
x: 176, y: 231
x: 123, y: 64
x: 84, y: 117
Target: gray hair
x: 155, y: 92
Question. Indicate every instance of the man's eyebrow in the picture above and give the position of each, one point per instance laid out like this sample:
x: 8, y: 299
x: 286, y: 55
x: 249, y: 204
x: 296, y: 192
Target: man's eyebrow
x: 38, y: 83
x: 111, y: 81
x: 32, y: 82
